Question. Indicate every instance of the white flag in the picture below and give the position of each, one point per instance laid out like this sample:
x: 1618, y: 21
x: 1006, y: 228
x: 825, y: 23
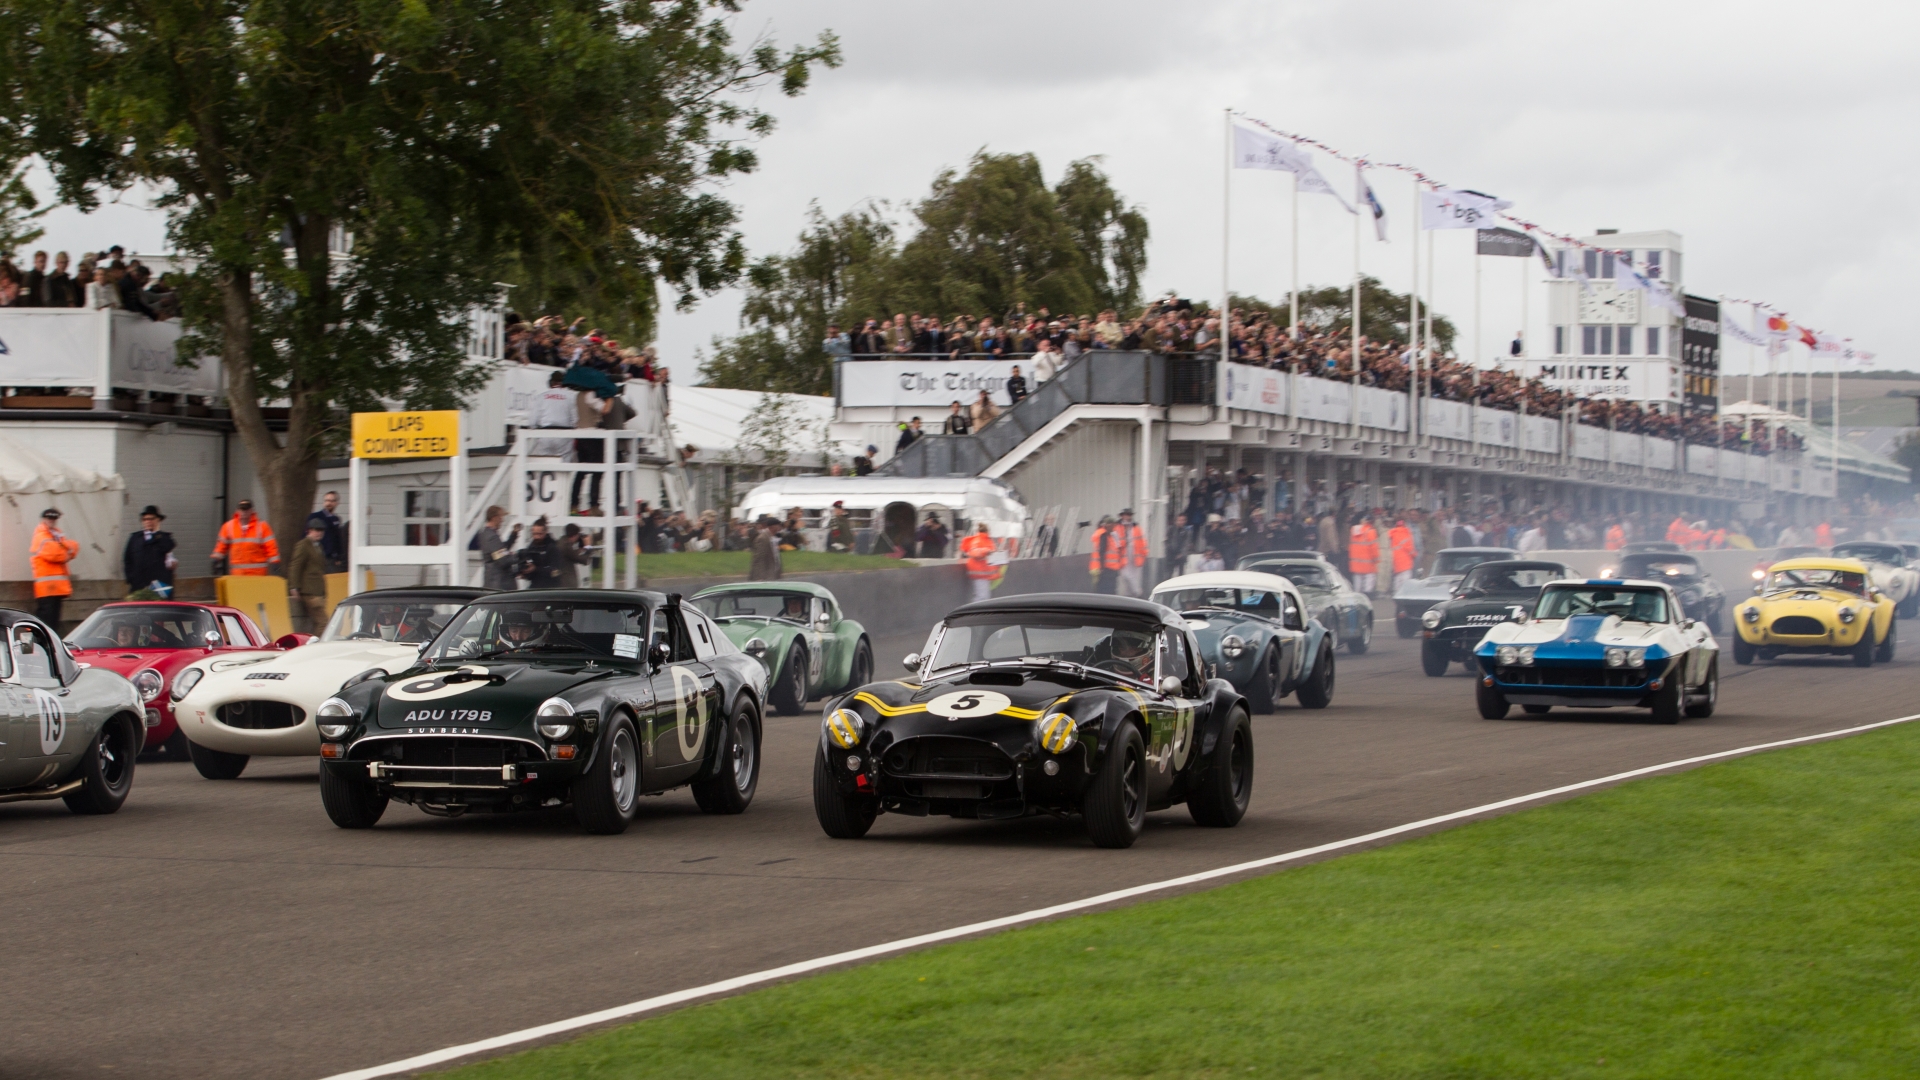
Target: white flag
x: 1255, y: 149
x: 1823, y: 344
x: 1458, y: 208
x: 1626, y: 278
x: 1732, y: 328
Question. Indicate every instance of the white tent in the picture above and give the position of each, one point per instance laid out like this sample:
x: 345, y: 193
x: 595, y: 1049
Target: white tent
x: 91, y: 503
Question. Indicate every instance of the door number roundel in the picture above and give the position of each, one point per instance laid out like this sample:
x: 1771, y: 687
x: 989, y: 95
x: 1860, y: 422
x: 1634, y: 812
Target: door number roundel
x: 964, y: 704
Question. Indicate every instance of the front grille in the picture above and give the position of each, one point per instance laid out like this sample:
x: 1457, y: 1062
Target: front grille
x: 260, y: 715
x: 1605, y: 678
x: 1800, y: 625
x: 941, y: 757
x: 441, y: 761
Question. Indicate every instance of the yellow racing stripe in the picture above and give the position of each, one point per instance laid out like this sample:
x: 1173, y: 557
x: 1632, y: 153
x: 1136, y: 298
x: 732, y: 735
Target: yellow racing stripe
x: 885, y: 709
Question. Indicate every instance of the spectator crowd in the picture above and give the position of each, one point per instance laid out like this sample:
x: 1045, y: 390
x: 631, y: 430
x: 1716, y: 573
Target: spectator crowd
x: 552, y: 341
x: 100, y: 279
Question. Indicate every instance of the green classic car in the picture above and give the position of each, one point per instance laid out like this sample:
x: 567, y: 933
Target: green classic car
x: 797, y: 630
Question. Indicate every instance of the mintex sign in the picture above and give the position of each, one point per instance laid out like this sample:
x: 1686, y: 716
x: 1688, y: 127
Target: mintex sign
x: 1655, y: 379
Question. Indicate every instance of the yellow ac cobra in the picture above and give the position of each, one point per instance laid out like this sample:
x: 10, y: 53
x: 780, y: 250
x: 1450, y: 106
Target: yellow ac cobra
x: 1816, y: 605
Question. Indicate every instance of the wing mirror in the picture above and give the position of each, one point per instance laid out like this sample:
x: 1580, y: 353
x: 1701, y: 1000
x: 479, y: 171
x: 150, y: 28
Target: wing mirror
x: 660, y: 653
x: 824, y: 623
x: 1516, y: 614
x: 212, y: 638
x: 911, y: 661
x: 1169, y: 685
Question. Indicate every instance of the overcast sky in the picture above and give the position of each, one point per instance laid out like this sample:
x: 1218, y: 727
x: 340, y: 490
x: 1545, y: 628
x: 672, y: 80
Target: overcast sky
x: 1774, y: 137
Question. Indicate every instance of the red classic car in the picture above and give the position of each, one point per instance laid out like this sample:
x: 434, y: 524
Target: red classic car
x: 148, y: 641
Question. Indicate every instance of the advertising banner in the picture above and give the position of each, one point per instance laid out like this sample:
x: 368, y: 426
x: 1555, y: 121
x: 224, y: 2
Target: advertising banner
x: 146, y: 357
x: 1255, y: 389
x: 1503, y: 242
x: 1497, y: 427
x: 1700, y: 354
x: 1650, y: 379
x: 1542, y: 434
x: 50, y: 346
x: 1662, y: 454
x: 926, y: 384
x: 1626, y: 448
x: 1384, y: 409
x: 1448, y: 419
x: 1324, y: 399
x: 1589, y: 442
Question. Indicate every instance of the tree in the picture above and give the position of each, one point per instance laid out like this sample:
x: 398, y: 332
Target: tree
x: 353, y: 177
x: 991, y: 242
x: 18, y: 209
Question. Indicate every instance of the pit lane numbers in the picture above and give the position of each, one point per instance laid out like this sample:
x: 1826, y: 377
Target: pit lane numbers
x: 435, y: 686
x: 966, y: 704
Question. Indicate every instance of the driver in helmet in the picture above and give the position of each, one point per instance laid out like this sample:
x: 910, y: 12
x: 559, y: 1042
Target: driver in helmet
x: 1132, y: 653
x: 517, y: 629
x: 794, y: 608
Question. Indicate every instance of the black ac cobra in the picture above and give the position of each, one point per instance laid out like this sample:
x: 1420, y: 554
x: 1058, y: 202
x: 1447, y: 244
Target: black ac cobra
x: 1058, y: 703
x: 1491, y: 593
x: 542, y: 699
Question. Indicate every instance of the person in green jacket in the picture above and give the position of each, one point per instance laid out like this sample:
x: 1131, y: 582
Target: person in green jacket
x: 307, y: 578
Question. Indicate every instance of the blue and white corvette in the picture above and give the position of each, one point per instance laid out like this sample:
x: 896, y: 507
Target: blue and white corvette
x: 1600, y: 644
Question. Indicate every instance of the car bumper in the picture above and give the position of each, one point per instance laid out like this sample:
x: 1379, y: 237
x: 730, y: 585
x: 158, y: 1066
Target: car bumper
x: 1584, y: 686
x: 983, y: 780
x: 507, y: 773
x: 203, y: 724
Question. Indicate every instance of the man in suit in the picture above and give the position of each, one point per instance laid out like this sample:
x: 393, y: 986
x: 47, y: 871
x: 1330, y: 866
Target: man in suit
x: 36, y: 290
x: 930, y: 339
x: 766, y: 551
x: 148, y: 559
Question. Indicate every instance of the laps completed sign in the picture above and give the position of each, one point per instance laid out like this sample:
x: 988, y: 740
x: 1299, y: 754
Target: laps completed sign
x: 406, y: 434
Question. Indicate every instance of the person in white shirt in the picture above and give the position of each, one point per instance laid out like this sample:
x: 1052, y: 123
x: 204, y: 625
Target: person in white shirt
x: 1534, y: 539
x: 554, y: 408
x: 1045, y: 364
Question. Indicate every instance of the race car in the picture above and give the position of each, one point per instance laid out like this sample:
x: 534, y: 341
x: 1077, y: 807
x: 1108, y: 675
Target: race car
x: 1347, y: 615
x: 1700, y: 596
x: 1887, y: 569
x: 150, y: 641
x: 545, y: 698
x: 1411, y: 600
x: 1821, y: 605
x: 262, y: 703
x: 1054, y: 703
x: 72, y: 730
x: 1600, y: 643
x: 798, y: 632
x: 1490, y: 593
x: 1638, y: 547
x: 1253, y: 631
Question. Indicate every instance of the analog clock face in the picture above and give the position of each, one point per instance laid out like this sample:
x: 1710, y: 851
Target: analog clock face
x: 1603, y: 304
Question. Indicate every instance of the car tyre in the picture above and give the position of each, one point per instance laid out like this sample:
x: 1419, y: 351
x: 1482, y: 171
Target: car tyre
x: 789, y: 695
x: 1363, y: 640
x: 1493, y: 704
x: 843, y: 817
x: 1116, y: 803
x: 1226, y: 785
x: 1265, y: 689
x: 1434, y: 658
x: 605, y: 798
x: 1536, y: 710
x: 1317, y: 691
x: 860, y: 672
x: 738, y: 766
x: 177, y: 748
x: 106, y: 773
x: 1884, y: 653
x: 1863, y: 652
x: 1909, y: 607
x: 1701, y: 709
x: 216, y: 764
x: 1406, y: 627
x: 350, y: 803
x: 1668, y: 699
x: 1742, y: 652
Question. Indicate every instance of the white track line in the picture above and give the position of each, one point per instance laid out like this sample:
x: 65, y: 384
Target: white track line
x: 741, y: 982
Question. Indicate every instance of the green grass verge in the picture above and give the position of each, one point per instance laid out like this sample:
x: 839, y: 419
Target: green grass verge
x: 1752, y: 918
x: 690, y: 564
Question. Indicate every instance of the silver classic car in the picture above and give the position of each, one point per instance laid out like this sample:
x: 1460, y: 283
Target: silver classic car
x: 72, y: 731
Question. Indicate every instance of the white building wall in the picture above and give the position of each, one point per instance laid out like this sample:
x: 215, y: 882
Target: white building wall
x: 1094, y: 466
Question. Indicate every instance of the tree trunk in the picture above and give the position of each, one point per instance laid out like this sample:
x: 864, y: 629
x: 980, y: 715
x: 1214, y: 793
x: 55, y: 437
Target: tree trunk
x: 286, y: 473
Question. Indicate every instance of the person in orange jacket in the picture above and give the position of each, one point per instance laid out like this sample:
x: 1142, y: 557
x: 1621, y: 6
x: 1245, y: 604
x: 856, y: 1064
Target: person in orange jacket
x: 52, y: 553
x: 1823, y: 535
x: 1363, y: 555
x: 1616, y: 536
x: 1400, y: 543
x: 1106, y: 558
x: 246, y: 544
x: 981, y: 574
x: 1678, y: 531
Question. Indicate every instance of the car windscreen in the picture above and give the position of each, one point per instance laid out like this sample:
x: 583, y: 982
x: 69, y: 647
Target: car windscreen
x: 1262, y: 602
x: 376, y: 619
x: 1494, y: 578
x: 1655, y: 567
x: 1882, y: 553
x: 1632, y: 605
x: 156, y: 626
x: 753, y: 605
x: 543, y: 627
x: 1844, y: 580
x: 1303, y: 575
x: 1109, y: 643
x: 1459, y: 562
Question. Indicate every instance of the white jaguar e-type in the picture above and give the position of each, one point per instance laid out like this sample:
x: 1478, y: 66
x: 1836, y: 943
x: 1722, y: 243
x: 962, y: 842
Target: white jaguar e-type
x: 234, y: 706
x: 1599, y: 644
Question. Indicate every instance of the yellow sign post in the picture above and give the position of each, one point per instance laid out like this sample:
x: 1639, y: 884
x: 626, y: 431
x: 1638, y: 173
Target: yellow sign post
x: 387, y: 435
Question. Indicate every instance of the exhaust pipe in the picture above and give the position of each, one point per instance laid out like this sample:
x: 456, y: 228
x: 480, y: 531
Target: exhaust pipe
x: 43, y: 793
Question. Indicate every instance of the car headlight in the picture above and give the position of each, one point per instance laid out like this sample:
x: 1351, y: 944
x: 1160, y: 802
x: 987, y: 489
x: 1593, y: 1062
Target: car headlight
x: 1431, y: 620
x: 1056, y: 732
x: 334, y: 718
x: 149, y: 683
x: 1751, y: 614
x: 184, y: 682
x: 1232, y: 646
x: 845, y: 728
x: 1759, y: 575
x: 1514, y: 655
x: 1847, y: 614
x: 755, y: 648
x: 1631, y: 658
x: 554, y: 718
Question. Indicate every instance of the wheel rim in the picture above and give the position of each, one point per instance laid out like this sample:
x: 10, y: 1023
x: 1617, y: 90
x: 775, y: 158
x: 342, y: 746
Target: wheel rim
x: 1238, y: 768
x: 1273, y: 676
x: 1130, y: 785
x: 113, y: 762
x: 1366, y: 633
x: 742, y: 754
x: 623, y: 770
x: 1326, y: 678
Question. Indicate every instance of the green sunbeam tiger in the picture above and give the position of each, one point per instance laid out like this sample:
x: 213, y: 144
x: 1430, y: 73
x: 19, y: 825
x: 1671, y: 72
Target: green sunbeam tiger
x: 797, y: 630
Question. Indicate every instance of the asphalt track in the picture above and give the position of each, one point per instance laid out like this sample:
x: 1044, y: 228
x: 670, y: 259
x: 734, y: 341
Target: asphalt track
x: 227, y: 929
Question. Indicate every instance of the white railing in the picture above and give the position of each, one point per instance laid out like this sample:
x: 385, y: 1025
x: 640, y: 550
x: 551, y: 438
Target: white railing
x: 103, y: 348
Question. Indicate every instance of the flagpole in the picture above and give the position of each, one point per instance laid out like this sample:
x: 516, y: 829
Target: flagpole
x: 1416, y: 423
x: 1354, y: 410
x: 1477, y: 354
x: 1294, y: 293
x: 1226, y: 237
x: 1836, y: 429
x: 1526, y: 332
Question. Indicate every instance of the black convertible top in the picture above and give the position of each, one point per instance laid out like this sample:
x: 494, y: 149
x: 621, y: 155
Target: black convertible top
x: 1100, y: 603
x: 423, y: 592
